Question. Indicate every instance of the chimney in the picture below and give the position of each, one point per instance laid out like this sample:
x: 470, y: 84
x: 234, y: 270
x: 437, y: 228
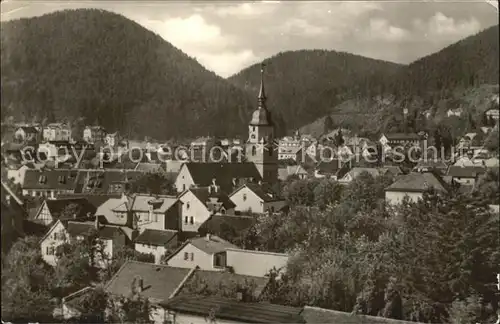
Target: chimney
x: 207, y: 237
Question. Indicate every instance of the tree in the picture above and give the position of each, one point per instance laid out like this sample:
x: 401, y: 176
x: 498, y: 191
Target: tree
x: 327, y: 192
x: 491, y: 142
x: 328, y: 124
x: 131, y: 309
x: 155, y: 183
x: 300, y: 192
x: 27, y: 283
x: 339, y: 138
x: 92, y: 306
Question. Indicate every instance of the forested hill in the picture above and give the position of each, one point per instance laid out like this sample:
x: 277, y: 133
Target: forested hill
x: 308, y: 85
x: 111, y: 70
x: 304, y: 85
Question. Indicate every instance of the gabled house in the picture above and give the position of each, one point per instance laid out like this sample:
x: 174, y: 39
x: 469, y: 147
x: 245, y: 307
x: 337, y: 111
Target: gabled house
x: 104, y: 181
x: 64, y: 231
x: 51, y: 209
x: 198, y: 204
x: 27, y: 134
x: 356, y: 172
x: 227, y: 175
x: 255, y: 198
x: 204, y: 252
x: 391, y: 140
x: 413, y: 185
x: 290, y: 152
x: 156, y: 242
x: 49, y: 183
x: 157, y: 212
x: 333, y: 169
x: 292, y: 170
x: 16, y: 174
x: 93, y: 134
x: 465, y: 175
x: 56, y: 132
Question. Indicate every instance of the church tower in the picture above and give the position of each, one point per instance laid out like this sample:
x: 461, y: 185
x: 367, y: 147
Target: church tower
x: 260, y: 148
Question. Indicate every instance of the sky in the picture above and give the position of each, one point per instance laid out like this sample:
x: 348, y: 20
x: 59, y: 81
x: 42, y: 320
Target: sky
x: 228, y: 36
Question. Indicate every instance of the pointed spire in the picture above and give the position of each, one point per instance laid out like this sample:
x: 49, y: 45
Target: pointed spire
x: 262, y: 94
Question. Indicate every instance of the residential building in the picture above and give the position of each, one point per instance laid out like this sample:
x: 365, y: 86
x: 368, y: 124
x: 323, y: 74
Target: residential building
x: 260, y: 146
x: 112, y: 139
x: 16, y: 173
x: 27, y: 134
x: 332, y: 168
x: 104, y: 181
x: 493, y: 112
x: 290, y: 153
x: 198, y: 204
x: 185, y: 309
x: 465, y: 175
x: 56, y: 132
x: 454, y: 112
x: 156, y: 242
x: 292, y: 170
x: 253, y: 263
x: 426, y: 165
x: 48, y: 183
x: 52, y: 209
x: 356, y: 172
x: 64, y: 231
x: 228, y: 175
x: 93, y: 134
x: 255, y: 198
x: 413, y: 185
x: 162, y: 283
x: 204, y: 252
x: 392, y: 140
x: 157, y: 212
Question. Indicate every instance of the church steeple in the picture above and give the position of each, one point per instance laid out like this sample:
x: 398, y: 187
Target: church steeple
x: 262, y: 93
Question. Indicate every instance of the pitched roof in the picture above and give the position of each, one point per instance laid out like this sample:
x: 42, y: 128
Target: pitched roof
x: 465, y: 171
x: 58, y: 179
x: 211, y: 245
x: 29, y: 129
x: 206, y: 196
x: 159, y: 281
x: 203, y: 173
x: 402, y: 136
x: 95, y: 200
x: 149, y: 167
x: 57, y: 206
x: 155, y: 237
x: 228, y: 309
x: 107, y: 232
x: 222, y: 278
x: 417, y: 182
x: 318, y: 315
x: 356, y: 172
x: 215, y: 223
x: 100, y: 181
x: 160, y: 203
x: 263, y: 191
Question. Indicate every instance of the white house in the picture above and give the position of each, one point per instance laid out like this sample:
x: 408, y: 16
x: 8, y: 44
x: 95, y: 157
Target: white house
x: 256, y: 198
x: 92, y: 134
x: 111, y: 237
x: 27, y: 134
x: 203, y: 252
x: 156, y: 242
x: 198, y: 204
x: 412, y: 185
x: 57, y: 132
x: 454, y: 112
x: 158, y: 212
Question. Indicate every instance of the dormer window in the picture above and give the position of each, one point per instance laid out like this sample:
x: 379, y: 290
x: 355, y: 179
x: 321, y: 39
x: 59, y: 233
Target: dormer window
x: 42, y: 179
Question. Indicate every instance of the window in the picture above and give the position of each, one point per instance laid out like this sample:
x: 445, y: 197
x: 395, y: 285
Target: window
x: 191, y: 220
x: 187, y: 206
x: 42, y: 179
x: 155, y: 218
x: 62, y: 179
x: 183, y: 187
x: 254, y: 150
x: 186, y: 256
x: 192, y: 256
x: 185, y: 220
x: 50, y: 250
x: 244, y: 197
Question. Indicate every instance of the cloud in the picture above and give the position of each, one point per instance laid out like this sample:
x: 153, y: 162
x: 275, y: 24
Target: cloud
x: 298, y: 26
x: 381, y: 30
x: 443, y: 27
x: 247, y: 9
x: 227, y: 63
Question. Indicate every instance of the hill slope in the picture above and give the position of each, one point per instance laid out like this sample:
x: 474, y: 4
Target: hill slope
x: 364, y: 93
x: 108, y: 69
x: 304, y: 85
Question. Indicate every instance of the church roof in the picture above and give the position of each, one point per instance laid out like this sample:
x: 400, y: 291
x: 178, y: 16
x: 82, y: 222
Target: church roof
x: 261, y: 116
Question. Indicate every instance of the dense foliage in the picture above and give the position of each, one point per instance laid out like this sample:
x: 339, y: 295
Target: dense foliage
x: 109, y: 70
x: 431, y: 261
